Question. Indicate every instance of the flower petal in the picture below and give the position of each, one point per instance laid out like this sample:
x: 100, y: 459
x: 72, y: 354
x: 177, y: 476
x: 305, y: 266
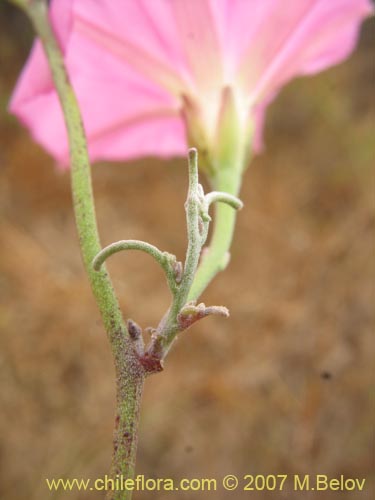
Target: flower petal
x: 125, y: 114
x: 296, y: 38
x: 132, y: 62
x: 157, y: 131
x: 197, y: 23
x: 142, y: 34
x: 287, y: 39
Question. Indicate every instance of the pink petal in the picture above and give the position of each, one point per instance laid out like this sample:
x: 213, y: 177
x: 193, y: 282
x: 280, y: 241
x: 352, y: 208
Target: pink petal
x: 199, y: 36
x: 155, y: 132
x: 131, y: 61
x: 125, y: 114
x: 294, y: 38
x: 140, y: 33
x: 269, y: 42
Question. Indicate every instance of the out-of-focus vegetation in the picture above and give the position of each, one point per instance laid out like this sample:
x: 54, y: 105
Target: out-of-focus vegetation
x: 283, y: 386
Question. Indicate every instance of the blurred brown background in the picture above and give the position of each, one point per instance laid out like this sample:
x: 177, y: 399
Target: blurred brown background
x: 283, y: 386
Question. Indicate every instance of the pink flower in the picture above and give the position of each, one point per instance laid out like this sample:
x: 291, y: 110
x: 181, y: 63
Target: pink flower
x: 152, y: 75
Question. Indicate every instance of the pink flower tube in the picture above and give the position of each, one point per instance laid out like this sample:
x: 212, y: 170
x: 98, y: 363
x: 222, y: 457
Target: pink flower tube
x: 152, y: 76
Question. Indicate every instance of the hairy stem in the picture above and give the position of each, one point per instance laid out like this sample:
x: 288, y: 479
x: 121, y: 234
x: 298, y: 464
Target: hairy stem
x: 167, y: 261
x: 181, y: 315
x: 129, y: 372
x: 217, y: 255
x: 168, y: 327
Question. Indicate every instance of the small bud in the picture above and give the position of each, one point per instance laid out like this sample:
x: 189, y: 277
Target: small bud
x: 178, y: 271
x: 135, y: 331
x: 189, y: 314
x: 205, y: 216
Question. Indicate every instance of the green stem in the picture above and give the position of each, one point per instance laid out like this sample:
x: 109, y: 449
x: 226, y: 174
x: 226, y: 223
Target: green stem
x: 167, y: 261
x: 168, y: 326
x: 182, y: 315
x: 217, y: 255
x: 194, y: 235
x: 220, y: 196
x: 129, y: 372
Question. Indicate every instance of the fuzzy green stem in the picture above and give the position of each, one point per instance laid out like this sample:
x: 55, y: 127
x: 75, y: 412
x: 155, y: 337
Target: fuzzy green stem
x: 129, y: 372
x: 180, y: 315
x: 194, y: 235
x: 219, y: 196
x: 217, y: 255
x: 169, y: 327
x: 167, y: 261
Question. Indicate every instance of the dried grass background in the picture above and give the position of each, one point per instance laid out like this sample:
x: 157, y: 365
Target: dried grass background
x: 283, y: 386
